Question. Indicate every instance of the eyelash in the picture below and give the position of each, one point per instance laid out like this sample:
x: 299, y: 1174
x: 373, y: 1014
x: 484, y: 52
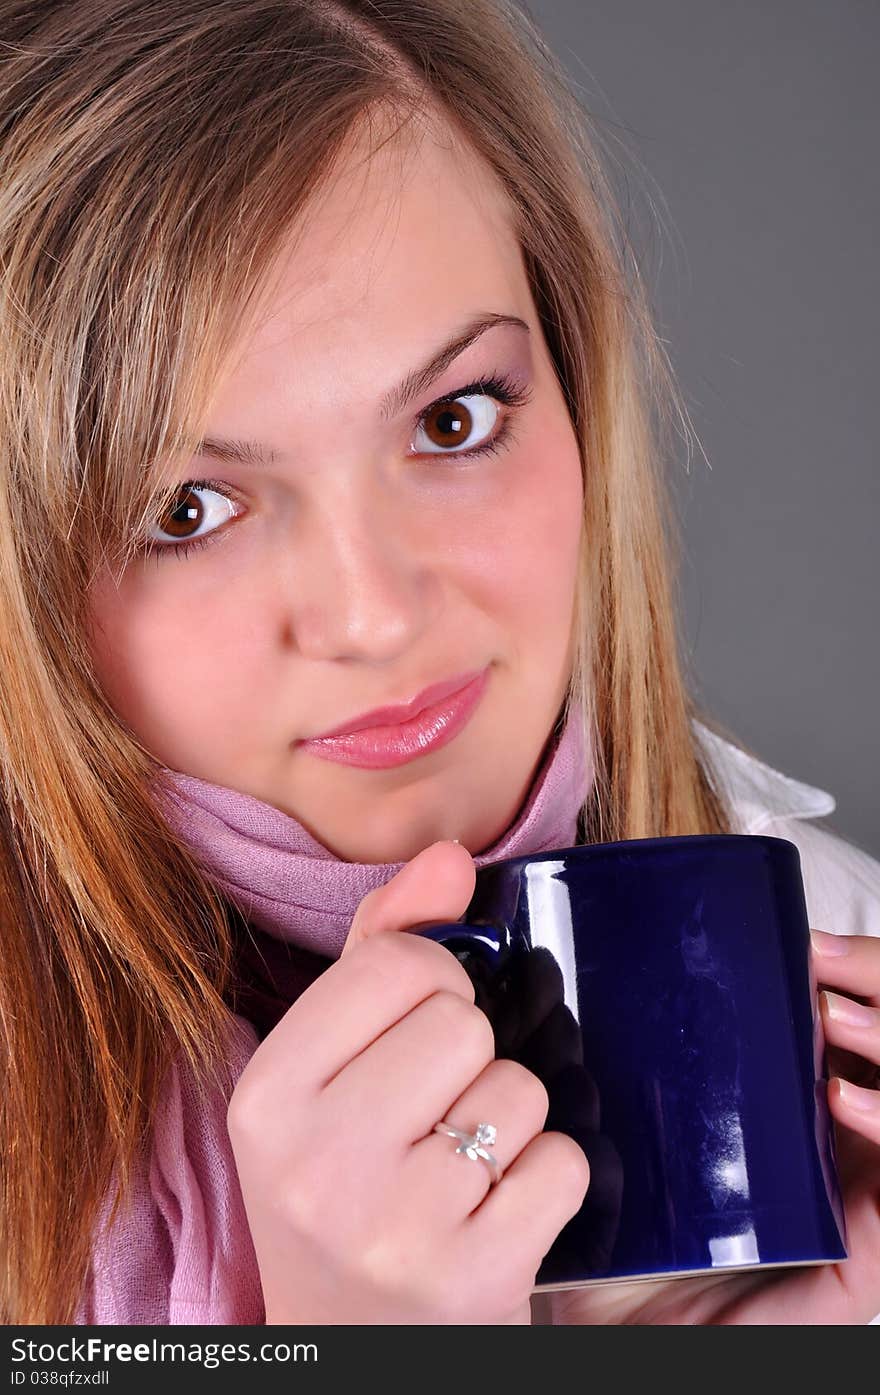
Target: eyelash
x: 498, y: 385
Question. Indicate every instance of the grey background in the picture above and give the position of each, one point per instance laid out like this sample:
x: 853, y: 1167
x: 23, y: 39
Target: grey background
x: 743, y: 142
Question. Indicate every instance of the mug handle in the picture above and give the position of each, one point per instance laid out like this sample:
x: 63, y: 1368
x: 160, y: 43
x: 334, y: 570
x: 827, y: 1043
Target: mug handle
x: 482, y: 950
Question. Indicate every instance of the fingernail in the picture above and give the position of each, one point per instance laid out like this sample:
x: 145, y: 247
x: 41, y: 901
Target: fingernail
x: 824, y: 943
x: 842, y: 1009
x: 859, y: 1098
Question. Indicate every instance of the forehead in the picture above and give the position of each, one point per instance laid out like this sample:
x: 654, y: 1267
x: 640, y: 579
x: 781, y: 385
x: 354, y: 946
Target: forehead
x: 404, y: 241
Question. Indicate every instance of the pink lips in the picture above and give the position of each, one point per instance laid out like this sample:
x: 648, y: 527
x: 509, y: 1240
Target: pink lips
x: 385, y: 742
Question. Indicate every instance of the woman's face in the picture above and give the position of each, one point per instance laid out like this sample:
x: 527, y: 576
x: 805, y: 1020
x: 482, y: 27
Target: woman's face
x: 369, y: 557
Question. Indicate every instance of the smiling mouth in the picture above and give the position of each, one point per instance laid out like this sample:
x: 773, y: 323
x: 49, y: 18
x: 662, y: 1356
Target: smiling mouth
x: 396, y: 743
x: 397, y: 714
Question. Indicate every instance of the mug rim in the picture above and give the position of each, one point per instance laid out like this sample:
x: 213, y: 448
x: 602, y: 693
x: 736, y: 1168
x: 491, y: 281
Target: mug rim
x: 732, y: 841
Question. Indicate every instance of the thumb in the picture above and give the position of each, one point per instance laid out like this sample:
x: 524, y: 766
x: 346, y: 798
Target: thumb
x: 436, y: 884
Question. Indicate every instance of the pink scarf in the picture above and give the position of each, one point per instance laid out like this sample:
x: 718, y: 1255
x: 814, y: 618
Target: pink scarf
x: 289, y: 885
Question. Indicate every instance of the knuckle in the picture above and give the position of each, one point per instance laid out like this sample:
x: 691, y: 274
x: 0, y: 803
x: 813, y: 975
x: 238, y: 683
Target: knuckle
x: 245, y: 1112
x: 384, y: 949
x: 452, y: 970
x: 309, y: 1196
x: 570, y: 1161
x: 378, y: 1263
x: 524, y: 1086
x: 423, y: 962
x: 388, y: 956
x: 464, y: 1022
x: 368, y: 904
x: 301, y: 1208
x: 438, y: 963
x: 389, y: 1264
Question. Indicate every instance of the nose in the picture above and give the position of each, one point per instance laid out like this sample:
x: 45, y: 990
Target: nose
x: 365, y: 583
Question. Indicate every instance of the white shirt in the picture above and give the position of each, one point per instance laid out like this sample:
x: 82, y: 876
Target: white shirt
x: 841, y: 881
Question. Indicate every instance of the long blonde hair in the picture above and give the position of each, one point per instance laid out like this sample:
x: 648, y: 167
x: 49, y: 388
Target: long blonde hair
x: 154, y: 155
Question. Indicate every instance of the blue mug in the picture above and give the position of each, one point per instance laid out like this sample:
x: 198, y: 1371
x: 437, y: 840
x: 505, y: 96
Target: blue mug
x: 663, y: 991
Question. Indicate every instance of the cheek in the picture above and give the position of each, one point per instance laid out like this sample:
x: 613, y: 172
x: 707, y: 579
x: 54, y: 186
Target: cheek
x: 531, y: 555
x: 167, y: 663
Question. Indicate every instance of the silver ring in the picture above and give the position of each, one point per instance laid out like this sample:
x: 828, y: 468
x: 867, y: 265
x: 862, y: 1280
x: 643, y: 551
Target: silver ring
x: 473, y: 1145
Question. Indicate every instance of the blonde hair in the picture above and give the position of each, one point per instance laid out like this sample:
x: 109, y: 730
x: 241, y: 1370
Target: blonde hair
x: 154, y: 157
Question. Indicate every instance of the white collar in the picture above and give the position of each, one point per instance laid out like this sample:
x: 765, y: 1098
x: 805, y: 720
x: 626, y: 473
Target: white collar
x: 758, y: 792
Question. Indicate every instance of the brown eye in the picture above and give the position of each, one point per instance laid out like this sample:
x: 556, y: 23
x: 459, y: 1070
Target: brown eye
x: 185, y: 512
x: 455, y: 426
x: 188, y: 511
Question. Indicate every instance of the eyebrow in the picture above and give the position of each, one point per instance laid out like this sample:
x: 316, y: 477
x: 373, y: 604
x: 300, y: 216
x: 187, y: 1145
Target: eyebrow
x: 393, y: 402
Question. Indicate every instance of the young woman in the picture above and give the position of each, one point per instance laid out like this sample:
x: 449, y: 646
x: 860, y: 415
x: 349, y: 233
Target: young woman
x: 327, y: 388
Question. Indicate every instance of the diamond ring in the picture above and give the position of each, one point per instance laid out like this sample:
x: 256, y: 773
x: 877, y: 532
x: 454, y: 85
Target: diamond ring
x: 475, y: 1145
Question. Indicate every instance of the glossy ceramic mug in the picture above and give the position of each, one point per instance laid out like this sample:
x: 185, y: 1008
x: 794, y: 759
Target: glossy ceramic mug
x: 663, y: 991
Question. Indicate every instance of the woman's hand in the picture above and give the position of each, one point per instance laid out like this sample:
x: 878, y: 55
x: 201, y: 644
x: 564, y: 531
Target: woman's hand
x: 847, y: 1292
x: 358, y: 1211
